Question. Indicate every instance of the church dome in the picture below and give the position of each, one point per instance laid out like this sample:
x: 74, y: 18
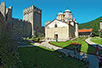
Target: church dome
x: 67, y: 10
x: 60, y: 13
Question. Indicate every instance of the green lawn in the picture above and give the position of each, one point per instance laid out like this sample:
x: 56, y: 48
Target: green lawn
x: 40, y: 57
x: 97, y: 40
x: 83, y: 48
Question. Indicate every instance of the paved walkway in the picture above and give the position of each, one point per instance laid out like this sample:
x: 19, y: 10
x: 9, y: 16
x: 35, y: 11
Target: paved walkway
x: 88, y: 40
x: 25, y: 46
x: 93, y: 61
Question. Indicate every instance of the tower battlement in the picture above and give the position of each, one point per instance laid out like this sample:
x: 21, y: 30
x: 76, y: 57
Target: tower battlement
x: 31, y: 9
x: 26, y: 27
x: 33, y: 15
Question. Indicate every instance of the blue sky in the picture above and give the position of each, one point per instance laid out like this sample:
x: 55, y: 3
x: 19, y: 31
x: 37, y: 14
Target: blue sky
x: 83, y: 10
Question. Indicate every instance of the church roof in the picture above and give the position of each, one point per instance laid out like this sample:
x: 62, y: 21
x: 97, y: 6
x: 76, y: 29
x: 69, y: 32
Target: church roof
x: 54, y: 20
x: 60, y: 21
x: 85, y: 30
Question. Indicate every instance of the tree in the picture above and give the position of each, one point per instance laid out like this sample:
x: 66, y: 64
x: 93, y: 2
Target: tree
x: 101, y: 33
x: 95, y: 30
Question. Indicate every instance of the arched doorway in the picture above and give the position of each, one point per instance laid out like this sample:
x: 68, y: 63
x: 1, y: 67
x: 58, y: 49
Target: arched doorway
x: 55, y: 35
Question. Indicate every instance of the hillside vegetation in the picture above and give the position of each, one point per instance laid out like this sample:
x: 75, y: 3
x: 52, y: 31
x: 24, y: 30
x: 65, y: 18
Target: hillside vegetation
x: 91, y: 24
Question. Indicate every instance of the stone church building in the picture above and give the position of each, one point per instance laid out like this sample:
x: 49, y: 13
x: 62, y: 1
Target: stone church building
x: 29, y: 26
x: 63, y: 28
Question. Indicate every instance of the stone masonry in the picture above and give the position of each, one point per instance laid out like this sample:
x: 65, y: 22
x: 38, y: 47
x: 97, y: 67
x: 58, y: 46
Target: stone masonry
x: 29, y: 26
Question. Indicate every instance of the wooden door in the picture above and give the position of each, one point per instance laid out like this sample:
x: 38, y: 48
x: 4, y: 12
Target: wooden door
x: 55, y: 36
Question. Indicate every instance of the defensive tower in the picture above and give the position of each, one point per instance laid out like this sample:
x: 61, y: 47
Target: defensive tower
x: 33, y: 15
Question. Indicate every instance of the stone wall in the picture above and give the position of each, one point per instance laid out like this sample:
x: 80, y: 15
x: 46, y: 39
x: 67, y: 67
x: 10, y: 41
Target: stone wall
x: 19, y: 28
x: 33, y: 15
x: 1, y: 23
x: 12, y: 43
x: 62, y: 33
x: 9, y: 13
x: 76, y: 30
x: 71, y: 31
x: 22, y: 28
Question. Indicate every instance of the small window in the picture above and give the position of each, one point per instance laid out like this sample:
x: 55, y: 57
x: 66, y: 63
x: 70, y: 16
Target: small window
x: 55, y: 25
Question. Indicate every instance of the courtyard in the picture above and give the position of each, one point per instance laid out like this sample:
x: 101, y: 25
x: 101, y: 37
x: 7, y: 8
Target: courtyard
x: 41, y: 57
x: 50, y: 48
x: 84, y: 47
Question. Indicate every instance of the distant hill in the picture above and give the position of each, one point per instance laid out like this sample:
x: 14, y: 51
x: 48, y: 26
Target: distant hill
x: 91, y: 23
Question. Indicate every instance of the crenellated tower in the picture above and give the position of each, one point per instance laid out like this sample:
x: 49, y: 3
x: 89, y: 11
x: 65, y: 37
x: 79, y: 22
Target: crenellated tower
x: 3, y: 10
x: 33, y: 15
x: 9, y: 13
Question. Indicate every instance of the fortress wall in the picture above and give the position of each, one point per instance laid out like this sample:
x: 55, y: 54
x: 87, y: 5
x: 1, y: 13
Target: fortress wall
x: 20, y: 28
x: 30, y: 24
x: 27, y: 14
x: 37, y: 17
x: 9, y: 13
x: 1, y: 23
x: 33, y: 15
x: 37, y: 20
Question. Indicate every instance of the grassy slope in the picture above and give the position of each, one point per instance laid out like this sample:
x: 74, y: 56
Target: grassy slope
x: 45, y: 58
x: 91, y: 23
x: 83, y: 48
x: 97, y: 40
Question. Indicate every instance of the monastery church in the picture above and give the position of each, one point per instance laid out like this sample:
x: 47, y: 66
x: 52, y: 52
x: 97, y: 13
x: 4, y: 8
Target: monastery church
x: 63, y: 28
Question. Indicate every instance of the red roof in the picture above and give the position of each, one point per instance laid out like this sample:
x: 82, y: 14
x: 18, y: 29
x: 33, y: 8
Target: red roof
x: 85, y: 30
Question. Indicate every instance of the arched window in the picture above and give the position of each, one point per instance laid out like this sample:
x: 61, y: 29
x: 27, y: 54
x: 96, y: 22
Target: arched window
x: 55, y: 25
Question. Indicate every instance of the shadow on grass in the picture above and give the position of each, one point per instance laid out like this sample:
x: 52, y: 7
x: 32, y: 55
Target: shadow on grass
x: 84, y: 49
x: 41, y: 57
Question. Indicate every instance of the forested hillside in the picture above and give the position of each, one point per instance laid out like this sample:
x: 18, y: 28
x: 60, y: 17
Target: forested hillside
x: 91, y: 24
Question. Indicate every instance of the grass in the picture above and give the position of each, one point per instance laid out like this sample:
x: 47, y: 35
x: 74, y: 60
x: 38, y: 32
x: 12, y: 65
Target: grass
x: 97, y: 40
x: 40, y: 57
x: 83, y: 48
